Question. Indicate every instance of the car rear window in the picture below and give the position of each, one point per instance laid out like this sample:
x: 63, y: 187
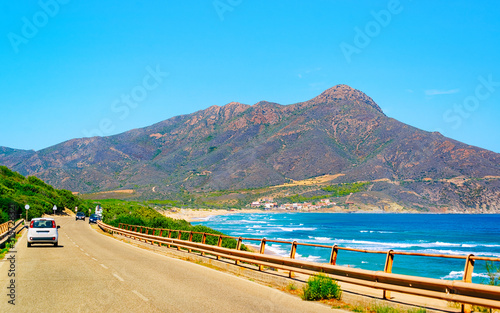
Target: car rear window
x: 42, y: 224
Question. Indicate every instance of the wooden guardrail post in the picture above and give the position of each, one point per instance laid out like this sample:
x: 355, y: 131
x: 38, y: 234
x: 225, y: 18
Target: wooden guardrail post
x: 190, y: 239
x: 203, y: 240
x: 219, y: 244
x: 261, y: 251
x: 161, y: 235
x: 469, y: 268
x: 179, y: 236
x: 389, y: 261
x: 238, y: 247
x: 333, y: 255
x: 293, y: 250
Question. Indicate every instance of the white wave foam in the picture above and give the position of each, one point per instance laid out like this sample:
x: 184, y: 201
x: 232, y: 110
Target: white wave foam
x: 296, y: 228
x: 310, y: 258
x: 460, y: 274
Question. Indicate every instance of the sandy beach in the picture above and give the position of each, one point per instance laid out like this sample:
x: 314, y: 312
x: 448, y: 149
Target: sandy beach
x: 191, y: 215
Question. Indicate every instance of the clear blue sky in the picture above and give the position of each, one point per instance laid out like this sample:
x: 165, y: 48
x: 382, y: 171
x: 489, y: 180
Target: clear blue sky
x: 70, y: 69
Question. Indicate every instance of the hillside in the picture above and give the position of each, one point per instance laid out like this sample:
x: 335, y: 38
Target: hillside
x: 16, y: 191
x: 238, y: 146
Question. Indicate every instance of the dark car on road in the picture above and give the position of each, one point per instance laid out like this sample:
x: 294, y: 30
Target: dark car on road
x: 94, y: 218
x: 80, y: 216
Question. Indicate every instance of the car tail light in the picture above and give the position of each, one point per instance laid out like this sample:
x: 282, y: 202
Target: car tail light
x: 53, y: 224
x: 31, y: 224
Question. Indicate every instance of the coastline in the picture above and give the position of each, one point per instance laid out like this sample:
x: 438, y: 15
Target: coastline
x: 193, y: 215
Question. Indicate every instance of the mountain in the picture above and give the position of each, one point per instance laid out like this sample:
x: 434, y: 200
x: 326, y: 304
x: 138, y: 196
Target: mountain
x: 238, y: 146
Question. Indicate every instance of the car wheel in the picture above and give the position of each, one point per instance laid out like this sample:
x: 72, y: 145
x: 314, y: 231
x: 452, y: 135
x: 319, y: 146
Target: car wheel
x: 29, y: 244
x: 56, y: 244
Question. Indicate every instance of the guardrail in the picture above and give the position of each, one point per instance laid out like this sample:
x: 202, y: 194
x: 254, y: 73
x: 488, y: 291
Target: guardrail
x: 8, y: 229
x: 464, y: 292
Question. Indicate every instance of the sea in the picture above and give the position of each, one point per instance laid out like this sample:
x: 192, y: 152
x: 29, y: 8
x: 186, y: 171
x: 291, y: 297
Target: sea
x: 452, y: 234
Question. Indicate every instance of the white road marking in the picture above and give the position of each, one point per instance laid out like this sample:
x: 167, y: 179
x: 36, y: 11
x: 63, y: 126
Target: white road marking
x: 104, y: 266
x: 94, y: 259
x: 77, y: 246
x: 87, y: 254
x: 82, y: 249
x: 140, y: 296
x: 118, y: 277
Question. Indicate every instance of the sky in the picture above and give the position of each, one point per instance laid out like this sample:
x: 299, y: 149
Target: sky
x: 72, y: 69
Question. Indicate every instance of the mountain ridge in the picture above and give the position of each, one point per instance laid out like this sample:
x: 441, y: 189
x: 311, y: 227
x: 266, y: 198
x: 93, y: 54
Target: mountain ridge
x: 239, y: 146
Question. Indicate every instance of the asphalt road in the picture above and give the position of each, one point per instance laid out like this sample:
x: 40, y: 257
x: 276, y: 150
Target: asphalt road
x: 91, y: 272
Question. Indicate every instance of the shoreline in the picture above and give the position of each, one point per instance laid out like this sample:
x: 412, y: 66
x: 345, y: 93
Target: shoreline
x: 195, y: 215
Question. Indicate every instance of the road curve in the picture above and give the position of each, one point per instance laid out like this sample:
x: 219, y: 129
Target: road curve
x: 91, y: 272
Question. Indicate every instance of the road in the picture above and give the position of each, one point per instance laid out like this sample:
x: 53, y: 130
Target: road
x: 92, y: 272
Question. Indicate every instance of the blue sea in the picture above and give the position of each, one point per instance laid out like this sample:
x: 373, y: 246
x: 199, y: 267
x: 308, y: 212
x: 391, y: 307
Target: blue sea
x: 424, y: 233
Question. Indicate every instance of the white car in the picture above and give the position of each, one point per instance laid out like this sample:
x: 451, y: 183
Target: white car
x: 43, y: 230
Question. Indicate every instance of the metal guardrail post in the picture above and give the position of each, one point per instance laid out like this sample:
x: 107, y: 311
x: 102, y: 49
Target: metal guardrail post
x: 389, y: 261
x: 293, y: 250
x: 469, y: 268
x: 333, y: 255
x: 238, y: 247
x: 261, y: 251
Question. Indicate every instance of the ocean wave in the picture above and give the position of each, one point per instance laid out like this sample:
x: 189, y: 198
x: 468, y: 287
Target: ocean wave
x: 310, y: 258
x: 297, y: 228
x: 377, y: 231
x: 453, y: 275
x: 462, y: 252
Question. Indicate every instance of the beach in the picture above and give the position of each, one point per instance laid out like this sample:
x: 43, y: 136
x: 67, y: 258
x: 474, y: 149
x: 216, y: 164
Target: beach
x: 192, y: 215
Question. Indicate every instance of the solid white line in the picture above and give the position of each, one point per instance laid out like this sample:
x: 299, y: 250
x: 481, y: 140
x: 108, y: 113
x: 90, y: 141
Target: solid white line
x: 140, y: 296
x: 118, y: 277
x: 104, y: 266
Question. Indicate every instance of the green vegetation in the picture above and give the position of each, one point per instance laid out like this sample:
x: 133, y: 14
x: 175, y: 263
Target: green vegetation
x: 16, y: 191
x: 377, y: 308
x: 493, y: 273
x: 8, y: 245
x: 341, y: 190
x: 136, y: 213
x: 291, y: 287
x: 338, y: 190
x: 321, y: 287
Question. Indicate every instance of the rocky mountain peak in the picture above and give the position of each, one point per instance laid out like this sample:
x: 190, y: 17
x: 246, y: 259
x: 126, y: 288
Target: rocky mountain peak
x: 345, y: 92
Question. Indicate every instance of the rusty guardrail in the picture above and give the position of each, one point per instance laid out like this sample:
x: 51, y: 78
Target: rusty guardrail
x: 464, y: 292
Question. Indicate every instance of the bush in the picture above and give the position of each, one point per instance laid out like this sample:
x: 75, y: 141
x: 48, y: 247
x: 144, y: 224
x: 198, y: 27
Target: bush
x: 321, y: 287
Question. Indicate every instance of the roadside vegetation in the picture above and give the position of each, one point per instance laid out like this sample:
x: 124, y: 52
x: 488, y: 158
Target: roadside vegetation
x: 137, y: 213
x: 16, y: 191
x: 9, y: 244
x: 321, y: 287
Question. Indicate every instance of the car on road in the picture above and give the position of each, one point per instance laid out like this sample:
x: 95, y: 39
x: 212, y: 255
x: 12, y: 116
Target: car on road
x: 94, y: 218
x: 43, y: 230
x: 80, y: 216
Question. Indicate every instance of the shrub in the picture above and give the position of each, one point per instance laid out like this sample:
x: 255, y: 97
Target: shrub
x: 321, y: 287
